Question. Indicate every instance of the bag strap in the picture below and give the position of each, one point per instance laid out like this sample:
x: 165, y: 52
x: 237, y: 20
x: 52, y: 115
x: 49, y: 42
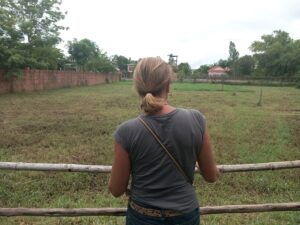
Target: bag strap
x: 166, y: 150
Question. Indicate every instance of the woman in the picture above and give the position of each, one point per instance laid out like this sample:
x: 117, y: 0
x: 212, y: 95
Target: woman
x: 160, y: 193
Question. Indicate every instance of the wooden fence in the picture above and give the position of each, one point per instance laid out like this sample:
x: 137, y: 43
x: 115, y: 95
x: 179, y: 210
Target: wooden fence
x: 107, y: 169
x: 72, y: 212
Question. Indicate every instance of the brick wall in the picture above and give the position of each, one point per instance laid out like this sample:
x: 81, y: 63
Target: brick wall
x: 36, y: 80
x: 5, y: 86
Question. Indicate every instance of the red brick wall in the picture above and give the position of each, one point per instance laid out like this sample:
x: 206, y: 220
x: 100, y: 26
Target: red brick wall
x: 35, y: 80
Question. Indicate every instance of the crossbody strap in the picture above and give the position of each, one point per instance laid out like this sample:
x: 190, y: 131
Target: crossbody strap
x: 166, y: 150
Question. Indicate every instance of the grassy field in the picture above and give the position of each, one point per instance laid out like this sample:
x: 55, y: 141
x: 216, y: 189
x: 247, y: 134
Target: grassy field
x: 76, y: 126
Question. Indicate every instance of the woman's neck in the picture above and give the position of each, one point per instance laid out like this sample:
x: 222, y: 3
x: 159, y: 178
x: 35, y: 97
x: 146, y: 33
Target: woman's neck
x: 166, y: 109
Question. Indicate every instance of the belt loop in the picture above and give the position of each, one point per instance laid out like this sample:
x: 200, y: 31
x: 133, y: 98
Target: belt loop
x: 162, y: 213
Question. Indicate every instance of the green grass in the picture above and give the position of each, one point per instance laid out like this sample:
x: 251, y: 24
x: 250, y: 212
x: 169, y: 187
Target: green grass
x: 209, y: 87
x: 76, y: 126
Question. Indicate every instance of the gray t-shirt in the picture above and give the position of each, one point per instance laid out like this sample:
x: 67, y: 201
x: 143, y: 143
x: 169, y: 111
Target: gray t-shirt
x: 156, y: 180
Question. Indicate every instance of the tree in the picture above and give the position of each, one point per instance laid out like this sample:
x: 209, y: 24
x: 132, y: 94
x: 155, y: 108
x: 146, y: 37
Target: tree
x: 121, y: 62
x: 100, y: 64
x: 180, y: 75
x: 233, y: 53
x: 88, y: 56
x: 83, y: 51
x: 202, y: 71
x: 245, y: 65
x: 223, y: 63
x: 186, y: 69
x: 277, y: 37
x: 233, y: 57
x: 277, y: 54
x: 29, y: 33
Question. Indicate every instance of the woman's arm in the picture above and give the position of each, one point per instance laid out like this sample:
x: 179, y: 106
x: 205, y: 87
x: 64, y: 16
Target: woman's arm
x: 120, y: 171
x: 206, y: 162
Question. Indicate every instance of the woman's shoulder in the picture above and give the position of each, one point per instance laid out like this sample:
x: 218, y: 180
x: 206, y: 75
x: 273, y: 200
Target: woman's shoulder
x: 125, y: 131
x: 193, y: 115
x: 128, y: 124
x: 193, y: 112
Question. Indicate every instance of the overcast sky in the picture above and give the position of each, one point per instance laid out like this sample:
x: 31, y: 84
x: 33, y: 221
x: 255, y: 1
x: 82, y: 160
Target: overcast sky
x: 198, y: 31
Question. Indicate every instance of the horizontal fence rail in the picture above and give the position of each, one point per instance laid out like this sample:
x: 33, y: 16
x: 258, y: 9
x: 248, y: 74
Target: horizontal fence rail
x: 73, y: 212
x: 107, y: 169
x: 58, y: 212
x: 259, y: 166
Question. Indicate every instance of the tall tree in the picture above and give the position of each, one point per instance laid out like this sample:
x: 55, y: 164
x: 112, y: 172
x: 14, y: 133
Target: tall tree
x: 233, y: 57
x: 29, y: 32
x: 233, y: 53
x: 277, y: 54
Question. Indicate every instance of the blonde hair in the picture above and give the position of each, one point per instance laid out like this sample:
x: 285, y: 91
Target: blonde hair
x: 151, y: 75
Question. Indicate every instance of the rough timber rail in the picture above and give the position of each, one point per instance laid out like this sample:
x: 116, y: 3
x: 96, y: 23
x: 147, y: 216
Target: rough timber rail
x: 72, y: 212
x: 107, y: 169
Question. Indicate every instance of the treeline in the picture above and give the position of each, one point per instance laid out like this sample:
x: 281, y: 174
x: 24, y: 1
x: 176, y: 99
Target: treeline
x: 276, y: 55
x: 85, y: 55
x: 30, y: 33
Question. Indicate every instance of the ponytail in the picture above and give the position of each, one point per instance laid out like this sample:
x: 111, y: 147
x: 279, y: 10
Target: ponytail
x: 151, y: 104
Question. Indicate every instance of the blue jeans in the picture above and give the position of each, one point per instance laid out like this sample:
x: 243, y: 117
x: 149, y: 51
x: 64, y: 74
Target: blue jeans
x: 135, y: 218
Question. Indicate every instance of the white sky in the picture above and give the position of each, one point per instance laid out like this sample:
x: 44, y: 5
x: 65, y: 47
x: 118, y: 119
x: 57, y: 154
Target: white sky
x: 198, y: 31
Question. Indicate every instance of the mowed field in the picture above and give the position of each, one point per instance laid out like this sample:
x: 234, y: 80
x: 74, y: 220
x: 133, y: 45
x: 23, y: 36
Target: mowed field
x: 76, y: 126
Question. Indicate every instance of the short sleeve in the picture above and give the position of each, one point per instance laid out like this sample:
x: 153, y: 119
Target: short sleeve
x: 201, y: 120
x: 125, y: 133
x: 120, y: 136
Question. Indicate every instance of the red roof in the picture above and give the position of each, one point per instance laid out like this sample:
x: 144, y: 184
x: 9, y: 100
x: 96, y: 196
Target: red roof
x: 217, y: 69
